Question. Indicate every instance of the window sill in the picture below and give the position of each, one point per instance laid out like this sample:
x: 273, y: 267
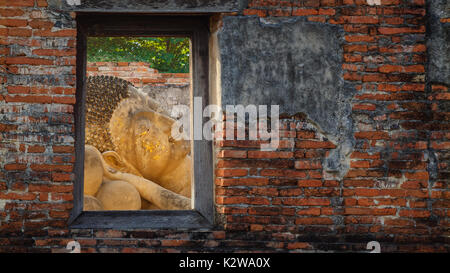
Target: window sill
x: 156, y: 219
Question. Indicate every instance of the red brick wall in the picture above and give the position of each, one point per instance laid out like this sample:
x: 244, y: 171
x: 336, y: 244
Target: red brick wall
x: 139, y: 73
x: 266, y: 201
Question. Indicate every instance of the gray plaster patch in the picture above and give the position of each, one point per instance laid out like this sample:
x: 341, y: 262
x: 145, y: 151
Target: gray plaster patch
x: 148, y: 6
x: 294, y: 64
x: 438, y: 42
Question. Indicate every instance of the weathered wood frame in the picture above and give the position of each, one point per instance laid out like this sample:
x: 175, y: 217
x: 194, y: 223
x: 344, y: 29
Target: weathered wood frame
x: 197, y: 29
x: 150, y: 6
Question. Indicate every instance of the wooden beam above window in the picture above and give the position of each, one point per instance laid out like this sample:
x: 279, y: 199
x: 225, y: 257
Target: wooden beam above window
x: 146, y: 6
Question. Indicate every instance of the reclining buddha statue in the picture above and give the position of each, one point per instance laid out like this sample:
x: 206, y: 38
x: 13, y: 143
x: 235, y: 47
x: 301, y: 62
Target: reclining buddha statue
x: 131, y: 160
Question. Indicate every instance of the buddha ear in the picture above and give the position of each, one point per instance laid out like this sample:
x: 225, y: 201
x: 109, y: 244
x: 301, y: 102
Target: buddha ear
x: 166, y: 123
x: 114, y: 160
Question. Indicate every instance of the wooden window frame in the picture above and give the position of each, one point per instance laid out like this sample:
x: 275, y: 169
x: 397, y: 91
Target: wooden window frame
x: 196, y: 27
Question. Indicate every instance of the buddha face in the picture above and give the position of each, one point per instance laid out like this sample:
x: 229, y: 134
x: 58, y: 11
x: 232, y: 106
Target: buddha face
x: 147, y: 144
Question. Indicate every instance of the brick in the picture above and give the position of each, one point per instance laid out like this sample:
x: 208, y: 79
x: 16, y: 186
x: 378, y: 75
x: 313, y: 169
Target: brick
x: 315, y: 144
x: 400, y: 30
x: 309, y: 211
x: 8, y: 127
x: 355, y: 48
x: 48, y: 167
x: 327, y: 11
x: 64, y: 100
x: 29, y: 99
x: 54, y: 52
x: 42, y: 3
x: 306, y: 134
x: 28, y: 61
x: 369, y: 211
x: 40, y: 24
x: 13, y: 22
x: 36, y: 149
x: 63, y: 149
x: 11, y: 12
x: 417, y: 175
x: 360, y: 19
x: 231, y: 172
x: 310, y: 183
x: 232, y: 154
x: 305, y: 202
x: 17, y: 3
x: 19, y: 32
x: 59, y: 33
x: 298, y: 245
x: 262, y: 154
x: 440, y: 145
x: 51, y: 188
x: 242, y: 181
x: 260, y: 13
x: 283, y: 173
x: 364, y: 107
x: 304, y: 12
x: 372, y: 135
x: 314, y: 221
x: 15, y: 167
x: 242, y: 200
x: 414, y: 213
x: 18, y: 196
x: 360, y: 164
x: 18, y: 89
x: 359, y: 38
x: 61, y: 177
x: 404, y: 69
x: 307, y: 165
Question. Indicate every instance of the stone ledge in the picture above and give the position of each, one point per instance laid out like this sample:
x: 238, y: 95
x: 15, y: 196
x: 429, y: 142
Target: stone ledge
x: 145, y: 6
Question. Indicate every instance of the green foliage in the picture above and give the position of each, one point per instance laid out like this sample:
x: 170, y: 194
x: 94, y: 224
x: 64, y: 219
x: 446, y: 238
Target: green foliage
x: 166, y: 54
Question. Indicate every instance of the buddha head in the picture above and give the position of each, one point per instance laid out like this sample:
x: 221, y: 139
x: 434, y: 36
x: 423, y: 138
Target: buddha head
x: 142, y: 136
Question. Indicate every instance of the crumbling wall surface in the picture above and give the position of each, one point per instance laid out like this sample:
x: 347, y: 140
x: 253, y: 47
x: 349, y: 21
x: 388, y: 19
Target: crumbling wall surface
x: 439, y: 41
x: 37, y: 95
x: 437, y: 89
x: 363, y: 153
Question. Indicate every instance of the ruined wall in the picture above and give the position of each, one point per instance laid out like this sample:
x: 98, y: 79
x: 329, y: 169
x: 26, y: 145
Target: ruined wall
x: 365, y: 139
x: 138, y: 73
